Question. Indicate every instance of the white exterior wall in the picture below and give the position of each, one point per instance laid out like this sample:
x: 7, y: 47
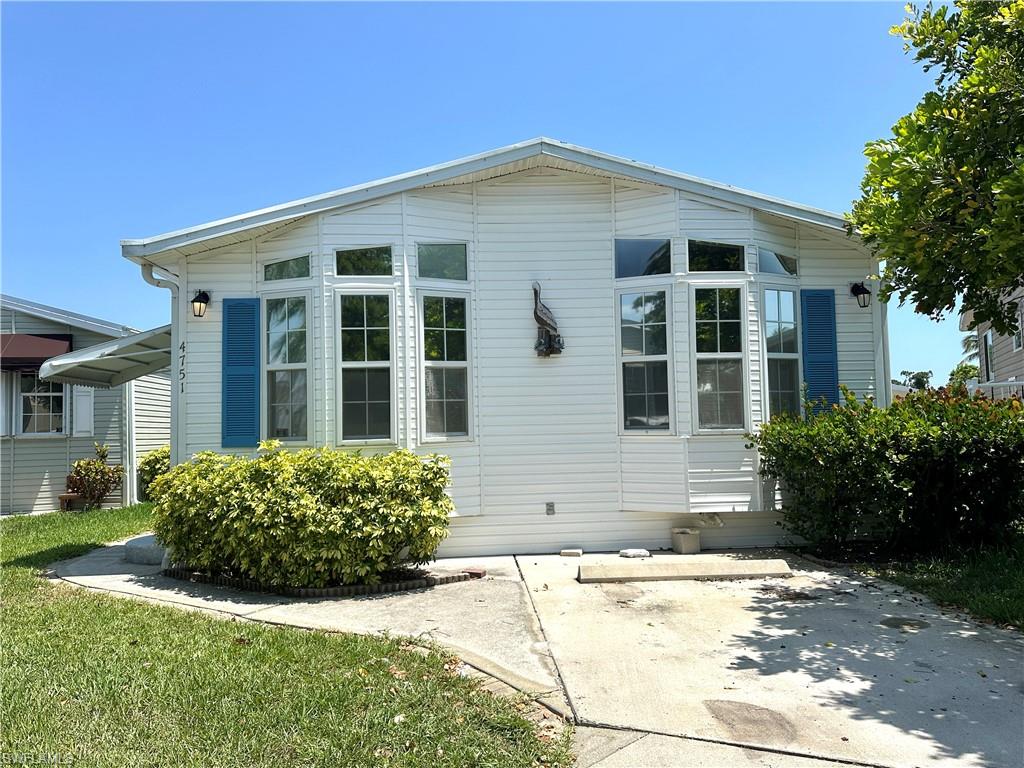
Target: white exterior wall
x: 544, y: 430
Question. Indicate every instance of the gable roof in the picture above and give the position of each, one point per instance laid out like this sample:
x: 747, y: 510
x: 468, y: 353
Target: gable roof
x: 64, y: 316
x: 540, y: 151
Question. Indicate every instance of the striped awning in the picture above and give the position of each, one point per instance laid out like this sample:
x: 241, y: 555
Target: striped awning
x: 113, y: 362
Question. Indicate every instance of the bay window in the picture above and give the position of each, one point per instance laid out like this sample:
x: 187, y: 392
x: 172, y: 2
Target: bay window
x: 445, y: 366
x: 365, y: 366
x: 718, y: 333
x: 643, y: 359
x: 782, y: 351
x: 287, y: 368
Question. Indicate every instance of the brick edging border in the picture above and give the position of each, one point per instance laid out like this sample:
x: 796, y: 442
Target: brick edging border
x: 350, y: 590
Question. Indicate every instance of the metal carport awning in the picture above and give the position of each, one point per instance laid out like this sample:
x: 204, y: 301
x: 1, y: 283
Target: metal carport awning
x: 113, y: 362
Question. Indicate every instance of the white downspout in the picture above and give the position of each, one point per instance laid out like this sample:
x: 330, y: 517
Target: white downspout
x: 172, y: 285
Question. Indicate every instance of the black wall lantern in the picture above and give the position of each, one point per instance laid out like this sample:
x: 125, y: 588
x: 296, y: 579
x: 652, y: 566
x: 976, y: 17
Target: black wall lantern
x: 862, y: 294
x: 199, y: 302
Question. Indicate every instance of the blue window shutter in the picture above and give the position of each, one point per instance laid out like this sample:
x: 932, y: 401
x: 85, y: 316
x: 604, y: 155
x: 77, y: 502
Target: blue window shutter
x: 240, y: 374
x: 820, y: 352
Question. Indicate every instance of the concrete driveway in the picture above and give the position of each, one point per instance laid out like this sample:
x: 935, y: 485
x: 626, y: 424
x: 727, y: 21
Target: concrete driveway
x: 815, y: 671
x: 823, y: 664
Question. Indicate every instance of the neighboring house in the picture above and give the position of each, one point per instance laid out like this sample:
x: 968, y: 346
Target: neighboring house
x: 45, y: 426
x: 401, y: 313
x: 1000, y: 357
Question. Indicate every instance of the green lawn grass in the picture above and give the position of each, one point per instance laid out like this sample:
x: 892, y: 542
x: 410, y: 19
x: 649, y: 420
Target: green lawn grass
x: 988, y: 584
x: 116, y: 682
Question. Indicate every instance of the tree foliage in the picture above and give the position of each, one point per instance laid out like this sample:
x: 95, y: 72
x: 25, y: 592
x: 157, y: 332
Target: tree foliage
x: 959, y: 376
x: 942, y: 198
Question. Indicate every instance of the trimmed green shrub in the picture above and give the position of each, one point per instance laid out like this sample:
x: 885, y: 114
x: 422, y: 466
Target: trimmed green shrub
x: 93, y: 479
x: 936, y: 469
x: 151, y: 465
x: 310, y: 518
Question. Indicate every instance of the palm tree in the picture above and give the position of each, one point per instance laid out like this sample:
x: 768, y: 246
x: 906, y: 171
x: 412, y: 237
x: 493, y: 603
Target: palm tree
x: 969, y: 346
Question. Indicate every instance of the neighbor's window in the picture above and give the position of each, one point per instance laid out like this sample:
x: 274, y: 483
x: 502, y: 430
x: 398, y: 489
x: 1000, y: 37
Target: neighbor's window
x: 714, y: 257
x: 289, y: 269
x: 446, y: 370
x: 287, y: 368
x: 780, y: 340
x: 365, y: 367
x: 719, y: 352
x: 42, y: 406
x: 364, y: 261
x: 638, y: 258
x: 643, y: 355
x: 445, y: 261
x: 775, y: 263
x: 1018, y: 337
x: 986, y: 343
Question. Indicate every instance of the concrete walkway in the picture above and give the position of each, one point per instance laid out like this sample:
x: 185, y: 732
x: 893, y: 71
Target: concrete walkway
x: 821, y: 669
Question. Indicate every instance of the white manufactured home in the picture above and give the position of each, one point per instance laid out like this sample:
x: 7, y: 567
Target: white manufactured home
x: 588, y: 338
x: 47, y: 425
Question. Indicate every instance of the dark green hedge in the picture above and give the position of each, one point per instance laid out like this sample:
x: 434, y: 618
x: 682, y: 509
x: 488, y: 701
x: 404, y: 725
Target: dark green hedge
x: 934, y: 470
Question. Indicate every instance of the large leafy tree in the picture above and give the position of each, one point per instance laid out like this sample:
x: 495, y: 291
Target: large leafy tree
x: 943, y: 198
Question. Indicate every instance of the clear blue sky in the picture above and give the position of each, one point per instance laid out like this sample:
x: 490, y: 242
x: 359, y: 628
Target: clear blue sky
x: 131, y: 120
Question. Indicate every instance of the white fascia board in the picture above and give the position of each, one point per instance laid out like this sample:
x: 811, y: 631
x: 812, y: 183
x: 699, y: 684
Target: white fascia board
x: 139, y: 250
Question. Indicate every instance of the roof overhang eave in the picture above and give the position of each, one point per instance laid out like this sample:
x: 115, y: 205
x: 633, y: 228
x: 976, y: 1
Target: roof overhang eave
x: 143, y: 250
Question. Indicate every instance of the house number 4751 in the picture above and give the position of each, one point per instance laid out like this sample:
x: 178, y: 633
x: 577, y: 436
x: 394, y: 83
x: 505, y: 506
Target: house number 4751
x: 181, y: 366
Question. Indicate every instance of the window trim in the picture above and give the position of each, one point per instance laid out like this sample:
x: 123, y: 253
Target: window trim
x: 743, y: 355
x: 265, y: 366
x: 988, y: 344
x: 18, y: 411
x: 396, y: 254
x: 719, y: 275
x: 640, y: 280
x: 792, y: 287
x: 391, y: 365
x: 443, y: 282
x: 422, y: 364
x: 1018, y: 337
x: 284, y: 283
x: 620, y: 405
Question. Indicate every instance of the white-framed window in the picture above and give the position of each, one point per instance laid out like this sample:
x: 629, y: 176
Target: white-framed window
x: 782, y: 350
x: 986, y: 348
x: 644, y: 359
x: 40, y: 407
x: 445, y: 345
x: 368, y: 261
x: 642, y: 257
x: 366, y: 376
x: 719, y: 357
x: 771, y: 262
x: 707, y: 256
x: 287, y: 353
x: 296, y: 268
x: 1018, y: 337
x: 442, y: 261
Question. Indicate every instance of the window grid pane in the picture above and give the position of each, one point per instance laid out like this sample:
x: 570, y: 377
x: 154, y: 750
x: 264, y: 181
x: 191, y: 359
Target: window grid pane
x: 42, y: 406
x: 446, y: 397
x: 365, y: 329
x: 366, y: 403
x: 643, y: 324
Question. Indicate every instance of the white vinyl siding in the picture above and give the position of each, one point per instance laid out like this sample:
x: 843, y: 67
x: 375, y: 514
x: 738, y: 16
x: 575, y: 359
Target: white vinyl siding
x: 545, y: 430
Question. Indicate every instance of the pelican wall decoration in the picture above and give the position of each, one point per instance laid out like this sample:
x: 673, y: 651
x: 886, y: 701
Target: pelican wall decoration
x: 548, y: 341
